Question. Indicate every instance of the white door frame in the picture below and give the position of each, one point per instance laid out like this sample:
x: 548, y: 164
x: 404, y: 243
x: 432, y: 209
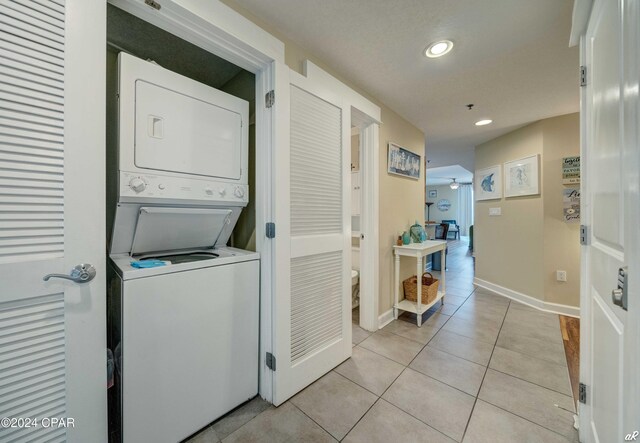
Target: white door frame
x: 220, y: 30
x: 369, y: 220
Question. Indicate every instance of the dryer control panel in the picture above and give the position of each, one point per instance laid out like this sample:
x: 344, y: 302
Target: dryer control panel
x: 149, y: 187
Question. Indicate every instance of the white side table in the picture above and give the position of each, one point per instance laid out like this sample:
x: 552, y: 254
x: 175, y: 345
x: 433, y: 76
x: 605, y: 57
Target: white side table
x: 418, y: 251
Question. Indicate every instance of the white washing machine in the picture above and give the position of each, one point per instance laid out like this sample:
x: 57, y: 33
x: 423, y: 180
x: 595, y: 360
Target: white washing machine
x: 185, y: 333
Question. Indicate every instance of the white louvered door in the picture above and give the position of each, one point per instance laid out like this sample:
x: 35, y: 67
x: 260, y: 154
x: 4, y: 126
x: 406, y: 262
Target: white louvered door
x: 52, y: 334
x: 313, y: 233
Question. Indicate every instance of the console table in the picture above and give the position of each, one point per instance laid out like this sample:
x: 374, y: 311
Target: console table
x: 418, y: 251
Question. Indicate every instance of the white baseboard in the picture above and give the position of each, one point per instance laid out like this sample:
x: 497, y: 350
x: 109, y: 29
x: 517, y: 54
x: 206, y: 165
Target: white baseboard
x: 385, y: 318
x: 554, y: 308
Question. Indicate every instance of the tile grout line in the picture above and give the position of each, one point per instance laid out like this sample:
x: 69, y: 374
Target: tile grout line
x: 475, y: 401
x: 530, y: 382
x: 524, y: 418
x: 361, y: 417
x: 306, y: 415
x: 407, y: 412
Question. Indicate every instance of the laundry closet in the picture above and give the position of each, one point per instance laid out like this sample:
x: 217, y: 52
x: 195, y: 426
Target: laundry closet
x: 183, y: 274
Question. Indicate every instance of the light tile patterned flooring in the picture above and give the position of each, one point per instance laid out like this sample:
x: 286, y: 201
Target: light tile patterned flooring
x: 481, y: 369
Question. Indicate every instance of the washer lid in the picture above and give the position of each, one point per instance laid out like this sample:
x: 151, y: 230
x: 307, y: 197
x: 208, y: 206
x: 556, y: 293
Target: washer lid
x: 169, y: 229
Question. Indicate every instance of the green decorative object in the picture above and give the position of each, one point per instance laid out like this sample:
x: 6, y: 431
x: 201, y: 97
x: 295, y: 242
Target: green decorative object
x: 417, y: 233
x: 406, y: 238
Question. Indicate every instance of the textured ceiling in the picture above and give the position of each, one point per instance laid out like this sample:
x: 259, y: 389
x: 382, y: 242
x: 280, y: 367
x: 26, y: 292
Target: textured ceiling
x: 511, y: 59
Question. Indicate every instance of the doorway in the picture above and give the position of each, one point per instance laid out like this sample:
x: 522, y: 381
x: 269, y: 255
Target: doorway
x: 222, y: 32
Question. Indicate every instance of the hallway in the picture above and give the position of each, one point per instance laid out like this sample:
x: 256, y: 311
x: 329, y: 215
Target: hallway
x: 481, y: 369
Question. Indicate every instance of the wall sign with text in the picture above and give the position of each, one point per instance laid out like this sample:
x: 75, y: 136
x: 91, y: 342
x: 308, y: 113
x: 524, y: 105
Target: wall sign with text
x: 571, y: 205
x: 571, y: 170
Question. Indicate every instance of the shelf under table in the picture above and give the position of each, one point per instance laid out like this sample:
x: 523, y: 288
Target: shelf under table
x: 412, y: 306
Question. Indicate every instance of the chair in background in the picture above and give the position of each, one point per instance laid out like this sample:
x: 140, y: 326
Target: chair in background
x: 453, y: 228
x: 442, y: 230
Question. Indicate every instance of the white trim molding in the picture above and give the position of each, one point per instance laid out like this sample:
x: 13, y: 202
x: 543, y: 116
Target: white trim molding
x: 579, y: 20
x: 554, y: 308
x: 385, y: 318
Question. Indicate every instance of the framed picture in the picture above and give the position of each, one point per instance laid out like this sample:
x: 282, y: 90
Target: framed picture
x: 488, y: 183
x: 433, y: 193
x: 401, y: 161
x: 521, y: 177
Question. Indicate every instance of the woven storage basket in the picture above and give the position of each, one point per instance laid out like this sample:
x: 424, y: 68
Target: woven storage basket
x: 429, y: 288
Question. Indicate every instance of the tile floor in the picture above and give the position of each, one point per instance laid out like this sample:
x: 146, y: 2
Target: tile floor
x: 481, y: 369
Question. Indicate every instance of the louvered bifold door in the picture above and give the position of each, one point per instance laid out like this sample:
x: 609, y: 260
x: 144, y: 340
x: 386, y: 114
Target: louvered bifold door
x: 32, y: 321
x: 314, y: 320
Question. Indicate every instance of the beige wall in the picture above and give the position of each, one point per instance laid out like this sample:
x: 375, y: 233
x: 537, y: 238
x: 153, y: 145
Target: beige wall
x: 561, y: 138
x: 521, y: 249
x: 401, y: 200
x: 444, y: 192
x: 355, y: 153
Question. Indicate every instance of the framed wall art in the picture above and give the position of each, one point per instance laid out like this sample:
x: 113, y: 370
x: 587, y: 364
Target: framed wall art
x: 401, y: 161
x: 522, y: 177
x: 433, y: 193
x: 488, y: 183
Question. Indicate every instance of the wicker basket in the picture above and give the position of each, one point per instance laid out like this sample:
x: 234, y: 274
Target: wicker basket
x: 429, y: 288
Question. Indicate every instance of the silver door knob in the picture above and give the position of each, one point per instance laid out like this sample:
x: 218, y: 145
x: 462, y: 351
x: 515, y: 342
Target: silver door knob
x: 81, y: 273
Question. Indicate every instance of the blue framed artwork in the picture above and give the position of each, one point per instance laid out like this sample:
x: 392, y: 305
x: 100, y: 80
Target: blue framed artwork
x: 401, y: 161
x: 488, y: 183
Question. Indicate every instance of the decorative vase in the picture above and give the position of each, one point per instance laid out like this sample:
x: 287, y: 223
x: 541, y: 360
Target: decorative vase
x: 417, y: 233
x: 406, y: 238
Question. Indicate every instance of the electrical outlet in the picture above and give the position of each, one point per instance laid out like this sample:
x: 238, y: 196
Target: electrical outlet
x: 495, y: 211
x: 561, y: 275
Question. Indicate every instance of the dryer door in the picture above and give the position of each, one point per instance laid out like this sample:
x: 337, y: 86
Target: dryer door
x: 178, y: 133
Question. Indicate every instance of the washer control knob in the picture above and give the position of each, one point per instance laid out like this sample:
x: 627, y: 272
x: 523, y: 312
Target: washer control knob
x: 238, y: 192
x: 137, y: 184
x: 208, y: 191
x: 222, y: 191
x: 161, y: 186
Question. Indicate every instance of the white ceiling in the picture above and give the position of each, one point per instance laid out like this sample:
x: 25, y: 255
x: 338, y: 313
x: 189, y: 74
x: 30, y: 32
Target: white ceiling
x: 511, y: 59
x: 443, y: 175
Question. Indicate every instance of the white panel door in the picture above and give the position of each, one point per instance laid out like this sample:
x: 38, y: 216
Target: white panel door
x: 52, y: 334
x: 611, y: 161
x: 312, y: 320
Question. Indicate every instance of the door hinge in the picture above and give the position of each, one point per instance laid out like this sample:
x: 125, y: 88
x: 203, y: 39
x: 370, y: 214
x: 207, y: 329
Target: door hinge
x: 583, y: 76
x: 584, y: 238
x: 270, y: 98
x: 153, y: 4
x: 582, y: 393
x: 271, y: 230
x: 271, y: 361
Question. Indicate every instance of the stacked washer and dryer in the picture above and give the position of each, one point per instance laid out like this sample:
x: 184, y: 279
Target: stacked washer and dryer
x: 186, y: 331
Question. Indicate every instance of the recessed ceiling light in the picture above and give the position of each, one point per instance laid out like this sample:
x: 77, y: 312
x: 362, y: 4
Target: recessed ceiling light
x: 439, y: 48
x: 483, y: 122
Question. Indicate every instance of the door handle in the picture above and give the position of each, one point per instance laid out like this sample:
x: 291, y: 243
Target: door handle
x: 619, y: 295
x: 82, y: 273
